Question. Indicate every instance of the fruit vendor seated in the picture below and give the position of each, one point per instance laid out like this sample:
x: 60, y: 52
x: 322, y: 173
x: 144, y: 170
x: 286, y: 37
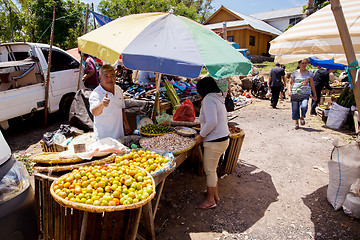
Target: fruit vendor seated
x: 108, y: 106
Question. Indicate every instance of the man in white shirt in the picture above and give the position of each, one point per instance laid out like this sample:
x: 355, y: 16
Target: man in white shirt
x: 146, y: 78
x: 108, y: 106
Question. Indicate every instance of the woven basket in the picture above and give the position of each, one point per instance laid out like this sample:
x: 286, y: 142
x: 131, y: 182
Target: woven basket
x: 154, y: 134
x: 101, y: 209
x: 52, y: 158
x: 237, y: 135
x: 60, y: 168
x: 52, y: 148
x: 175, y: 152
x: 182, y: 123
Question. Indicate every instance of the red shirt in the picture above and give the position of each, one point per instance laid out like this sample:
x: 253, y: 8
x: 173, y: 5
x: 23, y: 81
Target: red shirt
x: 89, y: 67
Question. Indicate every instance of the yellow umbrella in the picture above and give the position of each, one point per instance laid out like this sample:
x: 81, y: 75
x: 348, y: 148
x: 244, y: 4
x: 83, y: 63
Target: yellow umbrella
x: 318, y: 35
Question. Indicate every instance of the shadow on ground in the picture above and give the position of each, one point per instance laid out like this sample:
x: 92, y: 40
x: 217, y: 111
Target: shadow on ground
x: 245, y: 196
x: 31, y: 129
x: 310, y: 129
x: 328, y: 223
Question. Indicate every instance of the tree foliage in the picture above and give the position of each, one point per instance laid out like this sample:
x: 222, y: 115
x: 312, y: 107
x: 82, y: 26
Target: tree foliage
x: 30, y: 20
x: 197, y: 10
x: 318, y: 4
x: 68, y: 24
x: 11, y: 22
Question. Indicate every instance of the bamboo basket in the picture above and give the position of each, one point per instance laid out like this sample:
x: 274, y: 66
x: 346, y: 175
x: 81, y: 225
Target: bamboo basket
x: 52, y: 148
x: 52, y: 158
x: 60, y: 168
x: 58, y: 222
x: 175, y: 152
x: 182, y: 123
x: 101, y: 209
x: 233, y: 151
x: 154, y: 134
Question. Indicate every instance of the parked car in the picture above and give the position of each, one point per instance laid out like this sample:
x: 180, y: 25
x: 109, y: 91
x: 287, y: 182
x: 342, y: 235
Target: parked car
x: 18, y: 215
x: 23, y: 69
x: 245, y: 52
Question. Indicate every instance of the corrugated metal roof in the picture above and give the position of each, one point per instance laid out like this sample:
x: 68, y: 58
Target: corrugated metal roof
x: 287, y: 12
x: 247, y: 20
x: 237, y: 23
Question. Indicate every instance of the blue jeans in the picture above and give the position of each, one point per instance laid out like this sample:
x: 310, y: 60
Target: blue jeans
x: 296, y: 105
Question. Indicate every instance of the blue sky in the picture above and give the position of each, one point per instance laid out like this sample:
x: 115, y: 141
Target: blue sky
x: 245, y: 6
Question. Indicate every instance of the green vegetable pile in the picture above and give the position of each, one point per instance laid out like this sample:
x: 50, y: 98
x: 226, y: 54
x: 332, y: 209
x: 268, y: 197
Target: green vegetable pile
x: 346, y: 98
x: 156, y: 129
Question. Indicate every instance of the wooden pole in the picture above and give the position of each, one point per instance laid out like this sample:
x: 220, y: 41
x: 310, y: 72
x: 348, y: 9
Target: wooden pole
x: 92, y: 8
x: 82, y: 54
x: 348, y: 46
x: 11, y: 25
x: 49, y: 67
x: 156, y: 110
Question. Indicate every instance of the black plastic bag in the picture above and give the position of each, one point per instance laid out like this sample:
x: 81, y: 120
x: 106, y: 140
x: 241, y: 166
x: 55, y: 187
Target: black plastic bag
x: 80, y: 115
x: 229, y: 103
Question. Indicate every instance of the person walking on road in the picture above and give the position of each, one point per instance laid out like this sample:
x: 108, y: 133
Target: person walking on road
x: 302, y: 86
x: 321, y: 79
x: 276, y: 81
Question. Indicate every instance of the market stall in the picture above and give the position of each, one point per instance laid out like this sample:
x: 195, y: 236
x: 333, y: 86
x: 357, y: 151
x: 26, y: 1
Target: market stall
x: 147, y: 42
x: 65, y: 218
x: 65, y: 215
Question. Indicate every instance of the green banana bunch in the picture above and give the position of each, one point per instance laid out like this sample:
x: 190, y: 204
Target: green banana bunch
x: 170, y: 91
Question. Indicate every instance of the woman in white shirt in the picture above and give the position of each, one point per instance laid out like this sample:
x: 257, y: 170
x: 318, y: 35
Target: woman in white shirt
x: 214, y: 134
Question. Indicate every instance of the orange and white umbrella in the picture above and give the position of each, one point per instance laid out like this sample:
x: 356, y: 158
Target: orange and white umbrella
x: 318, y: 35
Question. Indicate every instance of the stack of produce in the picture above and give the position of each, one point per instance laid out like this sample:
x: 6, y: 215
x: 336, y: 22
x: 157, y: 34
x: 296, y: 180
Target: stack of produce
x: 107, y: 185
x: 170, y: 91
x: 346, y: 98
x: 171, y: 142
x: 156, y: 129
x: 148, y: 160
x: 233, y: 129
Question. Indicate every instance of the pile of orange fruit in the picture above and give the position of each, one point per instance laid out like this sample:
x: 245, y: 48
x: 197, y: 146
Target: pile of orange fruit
x: 148, y: 160
x: 107, y: 185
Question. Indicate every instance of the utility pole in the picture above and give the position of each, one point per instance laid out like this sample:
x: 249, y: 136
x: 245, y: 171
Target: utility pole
x: 92, y: 9
x: 82, y: 54
x: 49, y: 67
x: 11, y: 25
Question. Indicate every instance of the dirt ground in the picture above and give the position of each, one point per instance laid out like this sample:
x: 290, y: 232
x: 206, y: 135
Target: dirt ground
x: 278, y: 190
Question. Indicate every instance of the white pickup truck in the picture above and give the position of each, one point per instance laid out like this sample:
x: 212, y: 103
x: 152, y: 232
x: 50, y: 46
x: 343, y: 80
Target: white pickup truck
x: 23, y: 68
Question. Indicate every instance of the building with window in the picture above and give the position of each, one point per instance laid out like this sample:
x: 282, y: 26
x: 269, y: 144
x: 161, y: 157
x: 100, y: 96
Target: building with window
x: 281, y: 18
x: 253, y: 31
x: 247, y: 31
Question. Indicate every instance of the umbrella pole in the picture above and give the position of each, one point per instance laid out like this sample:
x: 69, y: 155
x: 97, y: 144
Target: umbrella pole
x: 156, y: 109
x: 348, y: 46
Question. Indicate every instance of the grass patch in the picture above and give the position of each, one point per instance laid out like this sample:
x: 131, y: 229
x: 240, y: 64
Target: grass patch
x: 24, y: 158
x: 289, y: 67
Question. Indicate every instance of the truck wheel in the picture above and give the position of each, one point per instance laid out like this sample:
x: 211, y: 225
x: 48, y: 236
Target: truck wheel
x: 65, y: 105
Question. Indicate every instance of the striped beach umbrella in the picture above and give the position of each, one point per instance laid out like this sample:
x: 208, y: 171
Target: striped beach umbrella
x: 318, y: 35
x: 165, y: 43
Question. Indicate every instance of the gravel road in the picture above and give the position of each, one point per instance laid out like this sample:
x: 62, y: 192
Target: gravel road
x: 278, y: 190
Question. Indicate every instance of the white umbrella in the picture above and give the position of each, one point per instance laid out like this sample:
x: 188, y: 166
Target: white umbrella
x: 318, y: 35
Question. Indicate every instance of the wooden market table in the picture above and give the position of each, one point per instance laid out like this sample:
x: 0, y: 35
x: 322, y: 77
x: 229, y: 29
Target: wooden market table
x: 58, y: 222
x: 148, y: 210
